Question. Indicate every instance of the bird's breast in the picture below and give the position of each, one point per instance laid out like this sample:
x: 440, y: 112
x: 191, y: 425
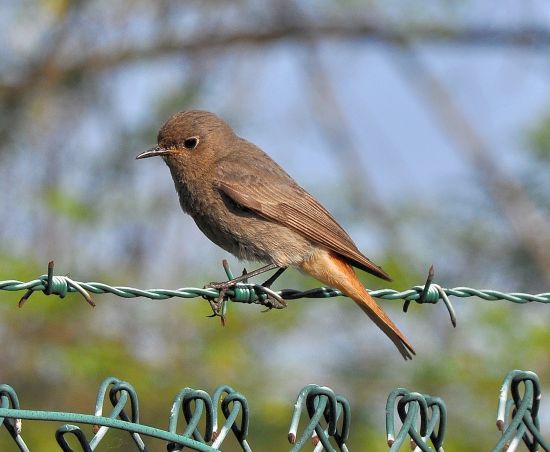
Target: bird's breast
x: 243, y: 232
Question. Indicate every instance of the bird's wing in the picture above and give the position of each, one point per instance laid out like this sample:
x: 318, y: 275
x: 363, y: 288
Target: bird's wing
x: 276, y: 196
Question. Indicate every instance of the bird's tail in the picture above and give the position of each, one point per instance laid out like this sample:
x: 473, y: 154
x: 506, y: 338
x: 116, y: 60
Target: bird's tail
x: 332, y: 270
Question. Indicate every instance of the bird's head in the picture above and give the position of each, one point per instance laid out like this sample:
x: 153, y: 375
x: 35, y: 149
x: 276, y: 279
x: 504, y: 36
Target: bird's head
x: 189, y: 138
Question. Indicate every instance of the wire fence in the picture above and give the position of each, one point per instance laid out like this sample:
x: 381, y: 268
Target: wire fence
x: 422, y: 418
x: 412, y: 419
x: 430, y: 292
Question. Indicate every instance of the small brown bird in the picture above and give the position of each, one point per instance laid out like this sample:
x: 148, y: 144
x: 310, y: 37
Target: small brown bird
x: 247, y: 204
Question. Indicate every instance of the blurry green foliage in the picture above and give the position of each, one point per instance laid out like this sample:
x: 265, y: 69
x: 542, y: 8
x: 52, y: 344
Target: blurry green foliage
x: 539, y: 138
x: 68, y: 206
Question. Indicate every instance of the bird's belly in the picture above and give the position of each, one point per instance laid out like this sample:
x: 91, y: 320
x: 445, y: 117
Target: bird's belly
x: 250, y: 237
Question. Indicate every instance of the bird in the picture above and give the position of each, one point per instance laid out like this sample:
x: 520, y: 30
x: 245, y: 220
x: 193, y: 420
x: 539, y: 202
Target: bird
x: 247, y: 204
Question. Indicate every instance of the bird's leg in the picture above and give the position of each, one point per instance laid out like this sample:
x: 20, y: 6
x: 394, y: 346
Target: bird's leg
x: 217, y: 304
x: 274, y: 277
x: 274, y: 302
x: 227, y: 284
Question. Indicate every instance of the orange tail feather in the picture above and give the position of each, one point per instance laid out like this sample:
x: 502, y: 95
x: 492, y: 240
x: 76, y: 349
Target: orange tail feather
x: 332, y: 270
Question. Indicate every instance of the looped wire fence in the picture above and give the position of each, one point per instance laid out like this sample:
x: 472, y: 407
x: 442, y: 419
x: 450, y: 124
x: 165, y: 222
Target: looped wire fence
x: 124, y: 415
x: 423, y: 418
x: 320, y: 402
x: 517, y: 417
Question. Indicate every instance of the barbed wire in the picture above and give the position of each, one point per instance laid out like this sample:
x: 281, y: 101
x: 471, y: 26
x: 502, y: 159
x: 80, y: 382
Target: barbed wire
x: 423, y: 418
x: 430, y: 292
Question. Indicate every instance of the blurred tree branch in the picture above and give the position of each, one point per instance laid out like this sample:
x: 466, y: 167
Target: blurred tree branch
x: 49, y: 69
x: 334, y: 126
x: 530, y: 225
x: 40, y: 71
x: 330, y: 113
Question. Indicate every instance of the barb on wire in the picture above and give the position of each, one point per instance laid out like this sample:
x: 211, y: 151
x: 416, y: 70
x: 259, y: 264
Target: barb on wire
x: 414, y: 409
x: 58, y: 285
x: 432, y: 293
x: 249, y: 293
x: 320, y: 402
x: 517, y: 418
x: 425, y: 290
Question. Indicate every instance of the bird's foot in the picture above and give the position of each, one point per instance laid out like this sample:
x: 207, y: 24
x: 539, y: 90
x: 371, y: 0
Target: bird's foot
x: 271, y: 300
x: 224, y: 285
x: 274, y: 303
x: 217, y: 304
x: 221, y: 286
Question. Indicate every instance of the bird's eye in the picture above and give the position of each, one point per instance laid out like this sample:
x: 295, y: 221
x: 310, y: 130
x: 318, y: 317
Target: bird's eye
x: 191, y: 142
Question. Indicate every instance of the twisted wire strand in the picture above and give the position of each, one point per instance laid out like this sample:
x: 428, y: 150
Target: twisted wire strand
x: 247, y: 293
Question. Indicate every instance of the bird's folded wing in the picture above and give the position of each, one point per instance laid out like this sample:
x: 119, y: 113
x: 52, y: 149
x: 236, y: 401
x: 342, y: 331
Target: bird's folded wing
x: 288, y: 204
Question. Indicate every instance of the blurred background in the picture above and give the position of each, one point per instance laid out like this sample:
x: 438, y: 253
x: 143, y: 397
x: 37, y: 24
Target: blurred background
x: 424, y: 127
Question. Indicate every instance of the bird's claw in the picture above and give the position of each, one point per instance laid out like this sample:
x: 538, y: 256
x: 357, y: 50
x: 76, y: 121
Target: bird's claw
x: 278, y: 303
x: 274, y: 303
x: 272, y: 300
x: 224, y: 285
x: 216, y: 304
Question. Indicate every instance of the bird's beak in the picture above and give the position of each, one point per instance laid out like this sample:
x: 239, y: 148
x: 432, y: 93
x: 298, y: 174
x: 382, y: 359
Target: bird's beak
x: 153, y: 152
